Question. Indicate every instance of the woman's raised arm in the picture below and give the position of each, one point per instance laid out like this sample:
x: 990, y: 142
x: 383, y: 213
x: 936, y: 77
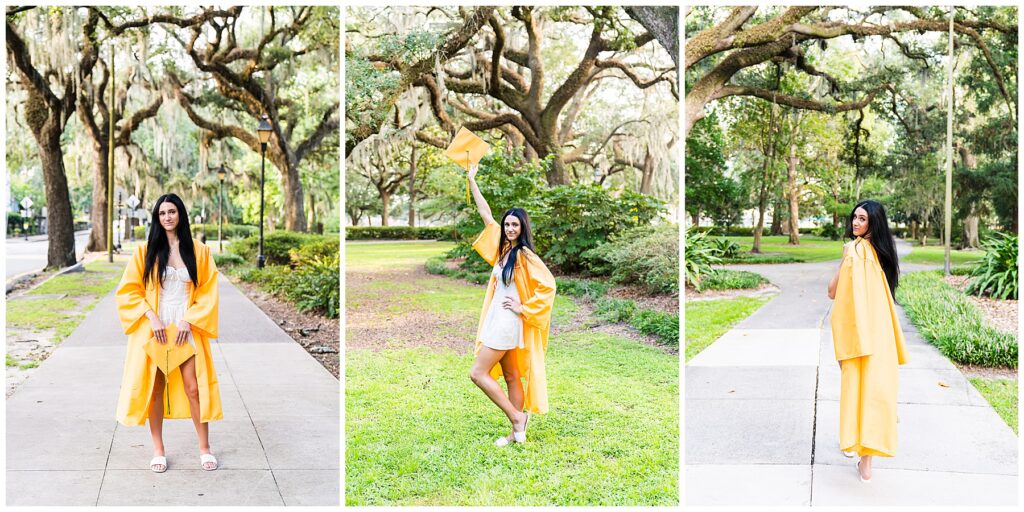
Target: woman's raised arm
x: 481, y: 203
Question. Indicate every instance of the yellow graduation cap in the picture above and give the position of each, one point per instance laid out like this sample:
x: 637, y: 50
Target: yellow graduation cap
x: 466, y: 148
x: 168, y: 356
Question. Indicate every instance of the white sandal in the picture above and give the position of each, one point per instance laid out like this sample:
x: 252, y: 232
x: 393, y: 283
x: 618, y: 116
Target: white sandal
x: 520, y: 437
x: 159, y: 460
x: 503, y: 441
x: 205, y: 458
x: 861, y: 476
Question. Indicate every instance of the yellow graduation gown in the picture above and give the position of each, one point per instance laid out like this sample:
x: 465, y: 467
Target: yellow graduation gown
x: 536, y: 287
x: 133, y: 301
x: 869, y: 344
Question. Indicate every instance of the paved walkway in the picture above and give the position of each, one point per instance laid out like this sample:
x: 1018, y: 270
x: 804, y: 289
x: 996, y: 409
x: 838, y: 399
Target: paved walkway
x: 762, y: 415
x: 277, y: 443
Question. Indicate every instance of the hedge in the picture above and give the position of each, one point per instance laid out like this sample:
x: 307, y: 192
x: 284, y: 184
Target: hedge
x: 399, y: 233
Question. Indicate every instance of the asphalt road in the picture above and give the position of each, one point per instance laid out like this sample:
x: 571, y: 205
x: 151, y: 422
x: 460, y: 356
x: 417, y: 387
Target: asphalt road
x: 29, y: 256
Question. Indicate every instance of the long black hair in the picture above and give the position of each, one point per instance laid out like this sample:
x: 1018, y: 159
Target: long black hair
x: 510, y: 247
x: 881, y: 240
x: 158, y: 248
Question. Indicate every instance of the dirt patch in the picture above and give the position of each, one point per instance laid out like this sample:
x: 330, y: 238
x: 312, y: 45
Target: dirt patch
x: 988, y: 373
x: 370, y: 325
x: 764, y: 290
x: 998, y: 313
x: 317, y: 334
x: 643, y: 298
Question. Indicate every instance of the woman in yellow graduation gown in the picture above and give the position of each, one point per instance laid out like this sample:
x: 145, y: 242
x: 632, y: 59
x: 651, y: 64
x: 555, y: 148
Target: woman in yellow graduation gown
x: 172, y: 280
x: 867, y: 337
x: 512, y: 336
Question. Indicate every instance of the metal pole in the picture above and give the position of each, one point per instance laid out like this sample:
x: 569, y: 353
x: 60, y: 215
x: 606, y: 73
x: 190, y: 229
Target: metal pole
x: 110, y: 165
x: 949, y: 149
x: 220, y: 217
x: 261, y: 260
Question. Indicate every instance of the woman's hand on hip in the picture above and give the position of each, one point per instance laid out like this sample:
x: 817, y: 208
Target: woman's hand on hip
x: 184, y: 331
x: 512, y: 304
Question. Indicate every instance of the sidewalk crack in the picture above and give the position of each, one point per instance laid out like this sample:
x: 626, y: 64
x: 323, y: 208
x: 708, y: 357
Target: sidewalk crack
x: 106, y: 463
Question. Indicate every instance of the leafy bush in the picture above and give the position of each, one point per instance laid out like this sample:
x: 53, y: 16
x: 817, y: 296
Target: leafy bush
x: 948, y: 320
x: 231, y: 231
x: 276, y: 245
x: 749, y: 258
x: 399, y: 233
x: 700, y: 255
x: 830, y: 231
x: 665, y: 326
x: 566, y: 220
x: 227, y: 260
x: 314, y: 250
x: 587, y: 288
x: 725, y: 279
x: 646, y: 255
x: 615, y: 310
x: 725, y: 248
x: 316, y: 286
x: 437, y: 266
x: 996, y: 273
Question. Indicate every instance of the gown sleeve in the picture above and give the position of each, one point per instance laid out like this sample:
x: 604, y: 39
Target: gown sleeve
x: 537, y: 308
x: 851, y: 338
x: 202, y: 315
x: 486, y: 244
x: 131, y: 293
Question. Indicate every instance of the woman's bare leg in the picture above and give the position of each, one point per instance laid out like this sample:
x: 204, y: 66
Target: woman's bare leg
x: 156, y: 415
x: 188, y: 378
x: 510, y: 370
x: 865, y: 467
x: 480, y: 375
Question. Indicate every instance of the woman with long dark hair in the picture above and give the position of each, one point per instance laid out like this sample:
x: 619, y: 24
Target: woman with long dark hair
x: 513, y: 332
x: 171, y: 281
x: 867, y: 337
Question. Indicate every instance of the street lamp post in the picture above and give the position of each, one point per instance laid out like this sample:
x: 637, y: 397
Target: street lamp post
x: 221, y: 173
x: 120, y: 233
x: 264, y: 130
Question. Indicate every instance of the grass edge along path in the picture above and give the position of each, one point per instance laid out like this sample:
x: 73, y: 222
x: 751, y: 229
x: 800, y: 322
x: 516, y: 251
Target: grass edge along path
x: 708, y: 320
x: 1001, y: 394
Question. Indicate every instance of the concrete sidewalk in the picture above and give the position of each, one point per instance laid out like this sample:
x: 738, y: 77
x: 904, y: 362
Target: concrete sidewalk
x: 762, y: 416
x: 277, y: 443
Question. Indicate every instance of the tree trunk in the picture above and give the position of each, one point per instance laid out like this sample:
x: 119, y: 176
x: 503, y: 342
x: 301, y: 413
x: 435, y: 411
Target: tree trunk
x: 60, y: 250
x: 776, y: 228
x: 295, y: 216
x: 663, y: 22
x: 913, y: 229
x: 696, y: 219
x: 794, y: 198
x: 648, y: 173
x: 385, y: 198
x: 970, y: 232
x: 99, y: 216
x: 412, y: 187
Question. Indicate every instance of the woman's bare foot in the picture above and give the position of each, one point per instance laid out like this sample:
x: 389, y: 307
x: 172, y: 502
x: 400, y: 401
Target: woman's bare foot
x: 864, y: 467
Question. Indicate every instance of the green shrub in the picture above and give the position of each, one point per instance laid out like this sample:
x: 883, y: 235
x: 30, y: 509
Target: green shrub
x: 961, y: 270
x: 948, y: 320
x: 996, y: 274
x: 315, y: 286
x: 645, y: 255
x: 399, y: 233
x: 725, y: 279
x: 700, y: 256
x: 615, y: 310
x: 314, y: 250
x: 587, y: 288
x: 830, y: 231
x: 227, y: 259
x: 231, y: 231
x: 725, y: 248
x: 436, y: 265
x: 276, y: 245
x: 566, y: 220
x: 665, y: 326
x: 750, y: 258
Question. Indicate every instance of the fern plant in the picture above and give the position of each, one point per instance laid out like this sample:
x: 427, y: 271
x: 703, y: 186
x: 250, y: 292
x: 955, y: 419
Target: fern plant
x: 996, y: 274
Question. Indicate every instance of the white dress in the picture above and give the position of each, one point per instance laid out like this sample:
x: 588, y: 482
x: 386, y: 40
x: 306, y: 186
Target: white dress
x: 174, y: 291
x: 503, y: 328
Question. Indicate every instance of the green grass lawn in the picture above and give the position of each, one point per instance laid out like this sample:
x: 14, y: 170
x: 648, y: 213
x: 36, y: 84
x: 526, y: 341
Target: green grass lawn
x: 366, y: 256
x: 419, y: 432
x: 1002, y: 395
x: 812, y: 248
x: 708, y: 320
x: 936, y: 255
x: 74, y: 295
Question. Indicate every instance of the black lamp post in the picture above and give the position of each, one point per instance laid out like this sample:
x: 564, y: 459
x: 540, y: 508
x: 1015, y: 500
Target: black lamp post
x: 120, y: 233
x: 264, y: 131
x: 221, y: 173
